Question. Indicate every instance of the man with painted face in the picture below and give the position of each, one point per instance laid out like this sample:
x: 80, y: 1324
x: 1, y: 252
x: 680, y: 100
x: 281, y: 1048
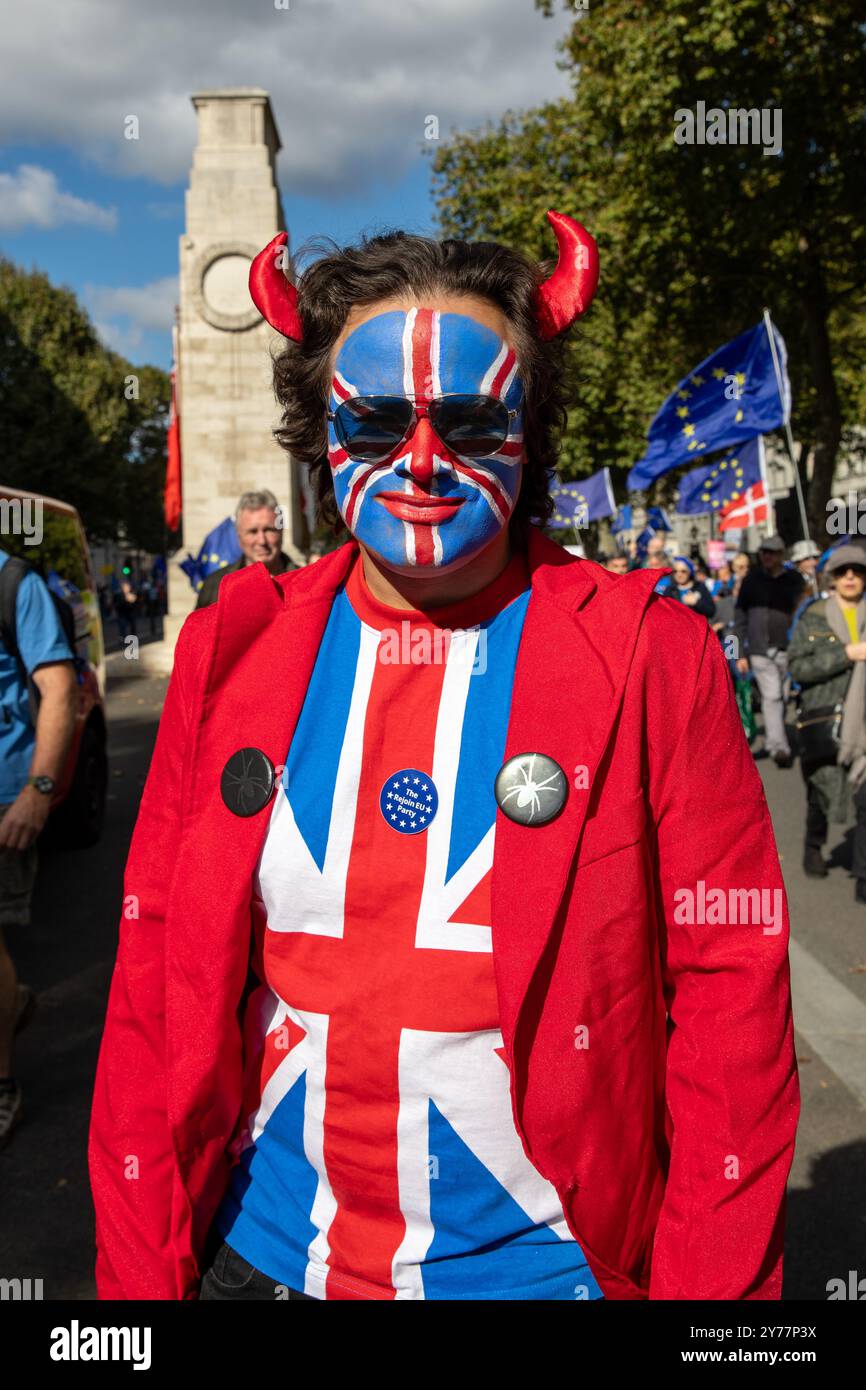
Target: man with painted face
x: 447, y: 996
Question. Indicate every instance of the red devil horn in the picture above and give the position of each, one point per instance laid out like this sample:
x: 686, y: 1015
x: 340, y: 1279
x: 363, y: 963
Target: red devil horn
x: 274, y: 296
x: 568, y: 292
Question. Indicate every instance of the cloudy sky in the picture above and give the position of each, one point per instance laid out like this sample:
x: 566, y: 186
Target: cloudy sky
x: 351, y: 84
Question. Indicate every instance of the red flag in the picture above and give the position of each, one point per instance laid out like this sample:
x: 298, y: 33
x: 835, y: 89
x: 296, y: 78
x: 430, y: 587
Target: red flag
x: 172, y: 494
x: 749, y: 509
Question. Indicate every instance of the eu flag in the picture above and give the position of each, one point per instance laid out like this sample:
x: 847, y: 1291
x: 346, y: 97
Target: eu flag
x: 710, y: 488
x: 218, y: 549
x: 729, y: 398
x: 657, y: 519
x: 589, y: 499
x: 622, y: 520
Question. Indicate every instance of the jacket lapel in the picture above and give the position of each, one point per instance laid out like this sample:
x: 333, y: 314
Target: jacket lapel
x: 572, y: 663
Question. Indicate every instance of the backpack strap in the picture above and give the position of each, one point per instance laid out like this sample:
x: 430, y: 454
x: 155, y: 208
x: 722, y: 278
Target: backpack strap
x: 11, y: 576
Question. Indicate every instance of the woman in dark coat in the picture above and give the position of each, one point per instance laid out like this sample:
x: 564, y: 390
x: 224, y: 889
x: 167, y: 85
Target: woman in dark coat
x: 683, y: 586
x: 827, y: 657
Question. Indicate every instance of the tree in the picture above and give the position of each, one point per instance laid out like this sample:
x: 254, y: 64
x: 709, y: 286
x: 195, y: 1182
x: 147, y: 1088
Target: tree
x: 144, y: 473
x: 694, y: 238
x: 72, y: 427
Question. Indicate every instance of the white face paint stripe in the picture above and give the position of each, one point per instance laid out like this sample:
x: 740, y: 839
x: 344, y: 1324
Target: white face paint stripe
x: 355, y: 495
x: 493, y: 493
x: 506, y: 385
x: 342, y: 387
x: 408, y: 329
x: 408, y: 528
x: 436, y: 388
x: 490, y: 375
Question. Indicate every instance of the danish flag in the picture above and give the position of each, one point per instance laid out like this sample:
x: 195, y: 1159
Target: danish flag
x: 749, y: 509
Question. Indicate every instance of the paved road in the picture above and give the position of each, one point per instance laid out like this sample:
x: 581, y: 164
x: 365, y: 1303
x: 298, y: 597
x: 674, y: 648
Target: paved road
x: 46, y: 1227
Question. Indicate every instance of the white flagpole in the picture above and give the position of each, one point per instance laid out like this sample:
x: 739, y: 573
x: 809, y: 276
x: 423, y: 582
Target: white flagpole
x: 768, y: 324
x: 762, y: 467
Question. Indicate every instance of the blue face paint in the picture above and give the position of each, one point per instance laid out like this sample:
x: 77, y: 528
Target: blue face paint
x: 460, y: 504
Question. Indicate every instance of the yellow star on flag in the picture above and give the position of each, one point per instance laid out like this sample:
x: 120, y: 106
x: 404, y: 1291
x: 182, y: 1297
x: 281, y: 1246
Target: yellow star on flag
x: 697, y: 380
x: 688, y: 430
x: 738, y: 417
x: 684, y: 395
x: 719, y: 372
x: 682, y: 411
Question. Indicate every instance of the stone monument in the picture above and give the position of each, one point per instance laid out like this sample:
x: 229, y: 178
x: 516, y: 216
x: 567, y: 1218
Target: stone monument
x: 225, y: 394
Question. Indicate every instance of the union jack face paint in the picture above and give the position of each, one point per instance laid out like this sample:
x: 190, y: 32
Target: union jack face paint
x: 426, y: 505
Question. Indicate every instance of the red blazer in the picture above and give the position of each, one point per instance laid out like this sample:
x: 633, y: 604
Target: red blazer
x: 669, y: 1137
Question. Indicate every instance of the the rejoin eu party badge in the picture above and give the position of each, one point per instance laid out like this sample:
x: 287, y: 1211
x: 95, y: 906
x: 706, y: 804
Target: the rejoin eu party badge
x: 409, y: 801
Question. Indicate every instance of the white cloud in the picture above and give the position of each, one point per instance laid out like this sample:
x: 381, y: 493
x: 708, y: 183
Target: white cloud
x: 123, y: 315
x: 350, y: 84
x: 32, y: 197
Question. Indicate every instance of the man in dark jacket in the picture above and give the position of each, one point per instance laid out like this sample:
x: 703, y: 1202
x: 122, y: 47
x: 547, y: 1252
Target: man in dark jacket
x: 259, y: 528
x: 767, y: 598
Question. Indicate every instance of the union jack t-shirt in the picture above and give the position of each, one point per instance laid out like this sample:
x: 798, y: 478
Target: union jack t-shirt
x: 377, y: 1156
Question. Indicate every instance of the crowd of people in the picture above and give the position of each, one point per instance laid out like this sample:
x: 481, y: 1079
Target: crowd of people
x: 792, y: 626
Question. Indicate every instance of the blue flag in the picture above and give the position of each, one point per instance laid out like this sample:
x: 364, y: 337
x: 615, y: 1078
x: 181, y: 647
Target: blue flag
x: 218, y: 549
x: 622, y: 521
x: 708, y: 489
x: 729, y: 398
x: 578, y: 503
x: 642, y: 544
x: 657, y: 519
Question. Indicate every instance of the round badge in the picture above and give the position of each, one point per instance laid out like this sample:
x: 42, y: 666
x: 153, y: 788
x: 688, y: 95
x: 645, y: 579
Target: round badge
x: 409, y: 801
x: 247, y: 781
x: 530, y: 789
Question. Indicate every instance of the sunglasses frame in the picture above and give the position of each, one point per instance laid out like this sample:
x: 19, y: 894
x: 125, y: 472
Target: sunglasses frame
x: 421, y: 411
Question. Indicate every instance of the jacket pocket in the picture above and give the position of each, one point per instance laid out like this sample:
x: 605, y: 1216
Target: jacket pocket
x: 614, y: 827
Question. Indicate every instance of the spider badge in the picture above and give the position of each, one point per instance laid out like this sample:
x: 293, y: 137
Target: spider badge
x: 530, y: 789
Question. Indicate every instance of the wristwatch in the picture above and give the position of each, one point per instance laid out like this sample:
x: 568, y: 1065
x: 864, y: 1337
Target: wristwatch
x: 45, y: 785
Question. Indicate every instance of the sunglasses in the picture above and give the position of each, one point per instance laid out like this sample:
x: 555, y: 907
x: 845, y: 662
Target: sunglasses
x: 370, y: 428
x: 858, y: 571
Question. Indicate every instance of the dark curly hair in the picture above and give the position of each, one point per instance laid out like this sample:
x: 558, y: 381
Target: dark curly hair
x: 397, y: 264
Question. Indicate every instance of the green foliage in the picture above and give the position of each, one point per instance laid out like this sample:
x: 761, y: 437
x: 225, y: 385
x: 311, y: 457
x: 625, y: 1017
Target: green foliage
x: 71, y: 427
x: 694, y: 239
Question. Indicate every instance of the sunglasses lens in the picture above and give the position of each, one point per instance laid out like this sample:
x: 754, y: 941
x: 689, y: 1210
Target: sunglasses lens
x: 472, y: 426
x: 371, y: 427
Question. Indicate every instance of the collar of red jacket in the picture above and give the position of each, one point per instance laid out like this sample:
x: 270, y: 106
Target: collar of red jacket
x: 556, y: 576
